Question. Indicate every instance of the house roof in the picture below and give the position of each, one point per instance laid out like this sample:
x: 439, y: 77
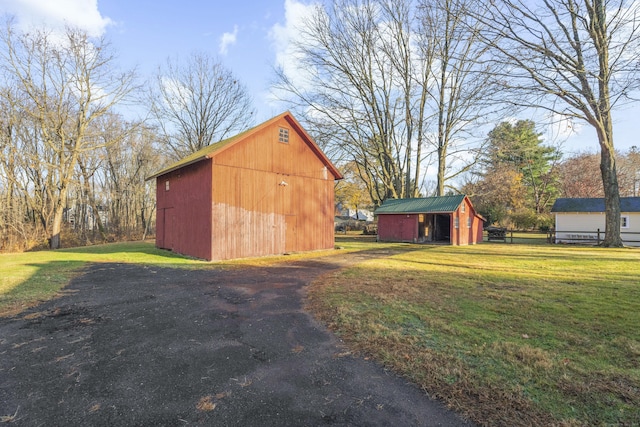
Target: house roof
x: 210, y: 151
x: 442, y: 204
x: 627, y: 204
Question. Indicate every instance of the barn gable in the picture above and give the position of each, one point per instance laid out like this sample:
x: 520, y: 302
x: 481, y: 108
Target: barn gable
x: 268, y: 190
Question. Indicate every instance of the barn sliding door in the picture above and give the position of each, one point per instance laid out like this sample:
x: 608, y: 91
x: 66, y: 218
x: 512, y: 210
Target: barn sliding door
x: 291, y: 234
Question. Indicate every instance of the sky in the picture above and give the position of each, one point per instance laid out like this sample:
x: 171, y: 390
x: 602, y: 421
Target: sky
x: 248, y: 36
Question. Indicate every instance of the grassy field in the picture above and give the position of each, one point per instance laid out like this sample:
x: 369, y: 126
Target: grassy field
x: 30, y: 277
x: 509, y: 334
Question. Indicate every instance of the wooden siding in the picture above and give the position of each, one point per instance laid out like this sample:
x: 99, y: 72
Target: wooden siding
x: 466, y: 233
x: 183, y: 211
x: 398, y: 228
x: 586, y: 224
x: 270, y: 197
x: 405, y: 227
x: 254, y: 197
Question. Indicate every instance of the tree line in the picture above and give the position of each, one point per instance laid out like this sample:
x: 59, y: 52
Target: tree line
x: 71, y: 164
x: 391, y: 90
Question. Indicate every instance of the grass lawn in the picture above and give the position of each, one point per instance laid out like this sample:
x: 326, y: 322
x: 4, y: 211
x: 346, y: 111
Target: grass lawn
x: 508, y: 334
x: 31, y: 277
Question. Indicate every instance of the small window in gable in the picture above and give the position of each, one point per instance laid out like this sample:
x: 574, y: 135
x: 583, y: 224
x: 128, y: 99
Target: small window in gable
x: 462, y: 208
x: 624, y: 221
x: 166, y: 185
x: 283, y: 135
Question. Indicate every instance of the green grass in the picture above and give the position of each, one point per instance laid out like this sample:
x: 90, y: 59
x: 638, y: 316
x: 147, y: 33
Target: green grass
x: 31, y: 277
x: 508, y: 334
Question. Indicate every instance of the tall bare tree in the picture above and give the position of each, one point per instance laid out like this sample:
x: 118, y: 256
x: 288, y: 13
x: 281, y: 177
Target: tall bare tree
x: 64, y: 83
x: 353, y: 81
x: 449, y: 36
x: 197, y: 103
x: 576, y: 58
x: 384, y: 81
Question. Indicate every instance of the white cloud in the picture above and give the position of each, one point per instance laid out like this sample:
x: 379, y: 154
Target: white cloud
x: 56, y: 14
x: 228, y: 39
x: 283, y: 35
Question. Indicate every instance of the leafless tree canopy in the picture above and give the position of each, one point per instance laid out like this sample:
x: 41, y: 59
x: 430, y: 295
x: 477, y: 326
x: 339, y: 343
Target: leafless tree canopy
x: 197, y: 103
x: 459, y: 85
x: 55, y: 88
x: 576, y: 58
x: 380, y: 86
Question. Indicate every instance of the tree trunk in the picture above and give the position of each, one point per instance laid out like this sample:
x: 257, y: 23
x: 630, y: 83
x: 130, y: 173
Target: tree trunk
x: 92, y: 200
x: 442, y: 155
x: 611, y: 196
x: 56, y: 227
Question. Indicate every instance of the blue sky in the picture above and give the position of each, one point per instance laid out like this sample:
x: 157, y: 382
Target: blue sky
x: 248, y: 36
x: 238, y: 32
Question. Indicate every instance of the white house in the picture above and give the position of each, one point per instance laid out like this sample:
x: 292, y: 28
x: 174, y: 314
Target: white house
x: 583, y: 220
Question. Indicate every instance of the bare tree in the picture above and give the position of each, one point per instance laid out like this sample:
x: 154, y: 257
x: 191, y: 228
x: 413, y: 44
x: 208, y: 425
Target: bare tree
x: 577, y: 177
x: 629, y: 172
x: 355, y: 88
x: 576, y: 58
x: 198, y: 103
x: 379, y: 78
x: 449, y: 36
x: 131, y: 199
x: 64, y: 83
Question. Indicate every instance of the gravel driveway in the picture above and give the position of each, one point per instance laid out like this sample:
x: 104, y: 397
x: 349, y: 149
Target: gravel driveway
x: 127, y: 345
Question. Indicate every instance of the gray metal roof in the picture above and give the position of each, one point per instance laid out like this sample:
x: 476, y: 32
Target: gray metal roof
x: 421, y: 205
x: 627, y: 204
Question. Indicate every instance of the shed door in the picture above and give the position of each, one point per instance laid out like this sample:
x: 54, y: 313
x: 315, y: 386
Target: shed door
x: 291, y: 235
x: 164, y: 228
x: 407, y: 226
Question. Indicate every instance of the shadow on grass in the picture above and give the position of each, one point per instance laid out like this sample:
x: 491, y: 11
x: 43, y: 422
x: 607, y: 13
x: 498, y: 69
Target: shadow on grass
x: 41, y: 280
x: 43, y: 284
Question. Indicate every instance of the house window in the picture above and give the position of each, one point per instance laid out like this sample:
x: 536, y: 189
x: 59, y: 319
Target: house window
x: 283, y: 135
x: 166, y: 185
x: 462, y: 208
x: 469, y: 222
x: 456, y: 222
x: 624, y: 221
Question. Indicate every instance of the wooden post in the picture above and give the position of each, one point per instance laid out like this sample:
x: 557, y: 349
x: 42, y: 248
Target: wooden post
x: 512, y: 236
x: 598, y: 241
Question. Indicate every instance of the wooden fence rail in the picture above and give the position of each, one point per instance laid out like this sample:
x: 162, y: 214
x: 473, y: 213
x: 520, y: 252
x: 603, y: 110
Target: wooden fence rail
x: 589, y: 237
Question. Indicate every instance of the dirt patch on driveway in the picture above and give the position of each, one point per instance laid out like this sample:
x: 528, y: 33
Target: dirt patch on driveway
x: 130, y: 345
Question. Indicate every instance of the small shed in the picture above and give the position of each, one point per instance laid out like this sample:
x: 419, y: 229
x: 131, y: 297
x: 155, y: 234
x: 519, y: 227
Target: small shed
x: 266, y: 191
x: 444, y: 219
x: 582, y: 220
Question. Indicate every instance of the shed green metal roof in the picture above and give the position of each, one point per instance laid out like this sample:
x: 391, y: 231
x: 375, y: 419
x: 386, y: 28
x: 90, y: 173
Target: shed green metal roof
x: 421, y: 205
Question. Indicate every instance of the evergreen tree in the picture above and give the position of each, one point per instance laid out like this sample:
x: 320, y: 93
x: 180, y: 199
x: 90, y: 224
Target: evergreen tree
x: 520, y: 147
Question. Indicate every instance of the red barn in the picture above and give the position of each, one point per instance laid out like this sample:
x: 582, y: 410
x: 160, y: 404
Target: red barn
x: 268, y: 190
x: 444, y: 219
